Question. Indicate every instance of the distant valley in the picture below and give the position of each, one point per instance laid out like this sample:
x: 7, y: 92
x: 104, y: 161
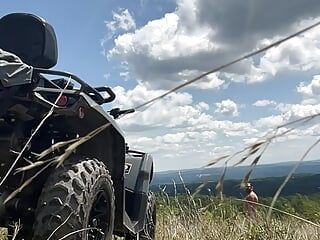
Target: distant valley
x: 266, y: 180
x: 199, y: 175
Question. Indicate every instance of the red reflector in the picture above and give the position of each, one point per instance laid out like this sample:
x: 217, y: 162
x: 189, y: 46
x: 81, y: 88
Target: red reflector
x: 63, y: 100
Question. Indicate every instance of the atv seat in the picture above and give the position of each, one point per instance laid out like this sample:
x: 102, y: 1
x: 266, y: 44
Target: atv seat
x: 29, y: 37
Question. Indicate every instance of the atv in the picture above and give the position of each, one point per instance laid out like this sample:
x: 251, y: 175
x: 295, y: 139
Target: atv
x: 66, y: 171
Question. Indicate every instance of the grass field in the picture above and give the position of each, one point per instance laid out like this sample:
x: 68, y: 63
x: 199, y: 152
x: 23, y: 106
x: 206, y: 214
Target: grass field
x: 177, y: 228
x: 190, y: 219
x: 187, y: 218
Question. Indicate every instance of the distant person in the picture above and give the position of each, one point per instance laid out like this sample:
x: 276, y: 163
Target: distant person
x: 250, y: 208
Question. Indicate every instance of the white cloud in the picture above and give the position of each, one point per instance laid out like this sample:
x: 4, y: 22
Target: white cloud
x: 227, y: 107
x: 125, y: 75
x: 270, y: 121
x: 177, y: 128
x: 157, y: 52
x: 223, y: 150
x: 300, y: 54
x: 163, y: 39
x: 250, y: 141
x: 296, y: 111
x: 177, y: 111
x: 211, y: 81
x: 174, y: 138
x: 106, y: 76
x: 311, y: 91
x: 197, y: 37
x: 174, y: 146
x: 264, y: 103
x: 203, y: 106
x: 313, y: 130
x: 172, y: 111
x: 121, y: 20
x: 187, y: 137
x: 224, y: 127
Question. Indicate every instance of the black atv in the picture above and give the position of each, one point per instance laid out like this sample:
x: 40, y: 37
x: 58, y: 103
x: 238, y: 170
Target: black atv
x: 66, y: 171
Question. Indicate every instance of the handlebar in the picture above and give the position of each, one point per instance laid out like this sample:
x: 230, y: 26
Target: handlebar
x: 108, y: 90
x: 116, y: 112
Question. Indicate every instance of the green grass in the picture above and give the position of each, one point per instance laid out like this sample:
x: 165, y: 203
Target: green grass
x: 208, y: 219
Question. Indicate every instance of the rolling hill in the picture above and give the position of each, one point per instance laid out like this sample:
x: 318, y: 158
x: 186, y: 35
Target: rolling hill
x: 200, y: 175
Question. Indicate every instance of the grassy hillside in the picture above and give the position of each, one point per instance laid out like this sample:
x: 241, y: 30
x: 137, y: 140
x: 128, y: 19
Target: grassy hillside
x: 208, y: 219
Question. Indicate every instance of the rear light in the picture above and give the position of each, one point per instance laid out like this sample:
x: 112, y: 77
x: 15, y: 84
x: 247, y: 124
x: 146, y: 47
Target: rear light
x: 63, y: 101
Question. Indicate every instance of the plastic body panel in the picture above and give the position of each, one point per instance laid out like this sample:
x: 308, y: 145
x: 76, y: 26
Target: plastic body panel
x: 138, y: 173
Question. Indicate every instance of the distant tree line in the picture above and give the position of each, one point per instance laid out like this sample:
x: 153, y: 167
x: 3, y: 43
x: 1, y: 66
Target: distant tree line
x: 264, y: 187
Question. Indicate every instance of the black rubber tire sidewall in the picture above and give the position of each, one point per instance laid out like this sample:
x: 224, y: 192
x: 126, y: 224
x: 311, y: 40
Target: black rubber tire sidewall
x: 69, y: 192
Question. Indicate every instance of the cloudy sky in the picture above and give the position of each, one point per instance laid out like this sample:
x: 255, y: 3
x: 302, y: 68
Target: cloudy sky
x: 143, y: 48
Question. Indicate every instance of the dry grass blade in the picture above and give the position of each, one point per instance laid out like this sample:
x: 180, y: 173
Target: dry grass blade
x: 25, y: 184
x: 38, y: 95
x: 16, y: 228
x: 229, y: 157
x: 275, y: 197
x: 302, y: 120
x: 81, y: 230
x: 252, y: 166
x: 216, y: 160
x: 253, y: 149
x: 246, y: 178
x: 257, y: 144
x: 80, y: 141
x: 30, y: 166
x: 57, y: 228
x: 200, y: 187
x: 256, y: 160
x: 184, y: 185
x: 17, y: 153
x: 219, y: 186
x: 33, y: 134
x: 25, y: 147
x: 242, y: 160
x: 55, y: 147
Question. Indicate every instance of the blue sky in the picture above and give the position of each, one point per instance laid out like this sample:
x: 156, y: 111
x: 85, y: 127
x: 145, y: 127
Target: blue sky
x: 80, y: 27
x: 142, y: 48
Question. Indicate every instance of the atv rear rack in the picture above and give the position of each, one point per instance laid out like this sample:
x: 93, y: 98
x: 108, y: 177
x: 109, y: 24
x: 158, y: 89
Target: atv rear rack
x: 94, y: 93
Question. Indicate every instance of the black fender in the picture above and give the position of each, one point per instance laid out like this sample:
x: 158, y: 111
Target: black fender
x: 108, y: 146
x: 138, y: 175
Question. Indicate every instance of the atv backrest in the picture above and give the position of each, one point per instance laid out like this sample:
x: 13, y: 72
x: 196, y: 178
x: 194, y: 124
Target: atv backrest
x: 31, y: 38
